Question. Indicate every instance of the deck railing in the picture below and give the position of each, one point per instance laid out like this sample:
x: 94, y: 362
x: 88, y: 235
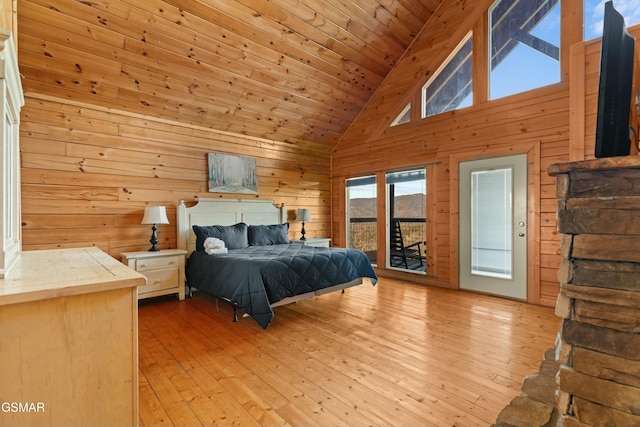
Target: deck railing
x: 363, y: 232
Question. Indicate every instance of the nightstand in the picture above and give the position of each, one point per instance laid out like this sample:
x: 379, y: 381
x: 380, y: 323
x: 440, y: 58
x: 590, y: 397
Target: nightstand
x: 315, y: 241
x: 164, y: 271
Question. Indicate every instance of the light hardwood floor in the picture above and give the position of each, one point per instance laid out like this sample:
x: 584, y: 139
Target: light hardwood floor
x: 397, y: 354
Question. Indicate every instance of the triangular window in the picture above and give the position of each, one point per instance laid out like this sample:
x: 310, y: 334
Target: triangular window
x: 403, y: 117
x: 450, y: 87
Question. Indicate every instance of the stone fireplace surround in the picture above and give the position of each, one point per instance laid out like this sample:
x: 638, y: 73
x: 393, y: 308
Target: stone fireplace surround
x: 592, y: 376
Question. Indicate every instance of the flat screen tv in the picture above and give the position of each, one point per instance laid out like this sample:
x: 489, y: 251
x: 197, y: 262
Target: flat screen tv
x: 616, y: 86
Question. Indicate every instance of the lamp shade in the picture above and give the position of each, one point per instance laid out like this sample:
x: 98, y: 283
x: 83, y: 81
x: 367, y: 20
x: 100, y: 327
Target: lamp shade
x: 155, y: 215
x: 304, y: 215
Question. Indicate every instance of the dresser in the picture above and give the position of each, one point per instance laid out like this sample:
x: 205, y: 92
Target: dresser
x: 163, y: 269
x: 314, y: 241
x: 69, y: 340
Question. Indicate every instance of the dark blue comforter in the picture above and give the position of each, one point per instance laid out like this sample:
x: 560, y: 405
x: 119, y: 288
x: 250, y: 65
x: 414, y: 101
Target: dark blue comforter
x: 255, y: 277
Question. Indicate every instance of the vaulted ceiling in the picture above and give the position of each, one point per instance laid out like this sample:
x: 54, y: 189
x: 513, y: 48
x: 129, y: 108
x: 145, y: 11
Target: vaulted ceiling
x: 285, y: 70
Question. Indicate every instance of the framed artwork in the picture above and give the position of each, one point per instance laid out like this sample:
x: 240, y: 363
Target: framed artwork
x: 232, y: 174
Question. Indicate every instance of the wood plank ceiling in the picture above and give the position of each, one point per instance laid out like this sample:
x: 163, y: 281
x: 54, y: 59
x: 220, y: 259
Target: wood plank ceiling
x: 285, y: 70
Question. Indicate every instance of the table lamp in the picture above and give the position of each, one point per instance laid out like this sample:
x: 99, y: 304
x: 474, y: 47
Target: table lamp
x: 154, y: 215
x: 304, y: 215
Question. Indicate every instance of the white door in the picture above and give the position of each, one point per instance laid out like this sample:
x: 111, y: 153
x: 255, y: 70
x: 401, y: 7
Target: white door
x: 493, y: 238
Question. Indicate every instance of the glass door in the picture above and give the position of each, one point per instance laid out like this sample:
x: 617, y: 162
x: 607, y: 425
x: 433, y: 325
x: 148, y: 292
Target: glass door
x: 406, y: 222
x: 361, y: 215
x: 493, y: 209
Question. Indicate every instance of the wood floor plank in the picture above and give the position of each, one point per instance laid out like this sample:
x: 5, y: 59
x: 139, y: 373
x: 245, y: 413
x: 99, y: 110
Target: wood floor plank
x: 438, y: 390
x: 178, y: 410
x: 392, y: 354
x: 151, y: 411
x: 216, y: 367
x: 370, y: 367
x: 210, y: 403
x: 281, y: 357
x: 287, y: 383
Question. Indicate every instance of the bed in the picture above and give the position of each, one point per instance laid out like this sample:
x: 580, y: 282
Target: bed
x: 261, y: 269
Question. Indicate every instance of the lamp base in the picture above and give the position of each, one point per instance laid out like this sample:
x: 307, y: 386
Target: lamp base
x: 154, y: 239
x: 303, y: 232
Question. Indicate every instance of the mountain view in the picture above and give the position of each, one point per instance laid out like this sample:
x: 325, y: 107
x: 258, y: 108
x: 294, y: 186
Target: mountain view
x: 363, y: 234
x: 407, y: 206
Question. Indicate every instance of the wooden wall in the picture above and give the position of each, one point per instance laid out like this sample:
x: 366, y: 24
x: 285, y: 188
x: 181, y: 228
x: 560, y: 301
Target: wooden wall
x: 511, y: 125
x: 88, y: 172
x: 535, y: 123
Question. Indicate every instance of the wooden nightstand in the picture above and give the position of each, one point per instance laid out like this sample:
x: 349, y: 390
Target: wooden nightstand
x: 315, y: 241
x: 164, y: 271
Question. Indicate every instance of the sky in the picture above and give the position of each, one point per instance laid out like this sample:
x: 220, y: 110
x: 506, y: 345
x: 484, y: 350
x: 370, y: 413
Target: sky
x: 594, y: 13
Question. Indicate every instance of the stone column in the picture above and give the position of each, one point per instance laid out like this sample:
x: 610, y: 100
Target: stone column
x: 599, y: 342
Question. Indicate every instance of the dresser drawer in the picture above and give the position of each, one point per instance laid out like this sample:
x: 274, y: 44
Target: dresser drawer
x: 165, y: 278
x: 156, y: 263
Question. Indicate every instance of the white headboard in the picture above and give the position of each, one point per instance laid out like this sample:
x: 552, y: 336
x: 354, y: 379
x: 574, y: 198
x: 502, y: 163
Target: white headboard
x: 224, y: 212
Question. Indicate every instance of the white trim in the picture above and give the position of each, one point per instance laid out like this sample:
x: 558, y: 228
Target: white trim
x: 11, y: 101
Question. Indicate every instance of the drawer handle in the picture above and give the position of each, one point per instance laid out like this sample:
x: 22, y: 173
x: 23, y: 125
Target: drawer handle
x: 143, y: 265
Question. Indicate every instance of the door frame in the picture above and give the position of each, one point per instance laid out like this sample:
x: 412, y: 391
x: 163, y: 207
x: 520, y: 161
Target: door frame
x: 532, y: 152
x: 514, y: 284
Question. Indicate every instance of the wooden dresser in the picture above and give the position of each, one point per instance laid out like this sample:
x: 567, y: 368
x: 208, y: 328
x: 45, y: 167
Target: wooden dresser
x: 69, y: 340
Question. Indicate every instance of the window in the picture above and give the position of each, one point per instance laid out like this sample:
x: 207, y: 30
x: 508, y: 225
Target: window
x: 361, y: 215
x: 524, y: 45
x: 491, y: 223
x: 594, y: 14
x: 403, y: 117
x: 450, y: 87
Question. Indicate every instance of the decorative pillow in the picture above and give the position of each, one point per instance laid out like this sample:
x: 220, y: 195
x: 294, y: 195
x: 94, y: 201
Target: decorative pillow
x: 261, y: 235
x: 234, y: 236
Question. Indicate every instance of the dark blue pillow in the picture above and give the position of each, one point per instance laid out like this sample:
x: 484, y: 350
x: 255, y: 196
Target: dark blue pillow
x: 234, y: 236
x: 261, y: 235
